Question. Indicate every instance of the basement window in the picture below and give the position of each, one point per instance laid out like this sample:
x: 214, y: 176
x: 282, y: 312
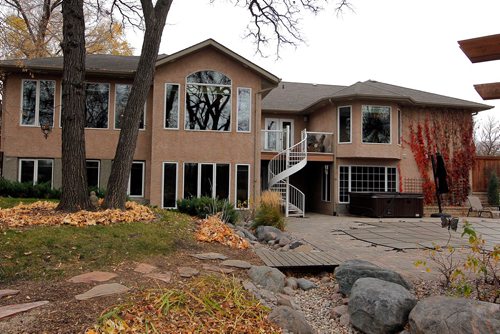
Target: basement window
x: 136, y: 180
x: 206, y: 179
x: 35, y: 171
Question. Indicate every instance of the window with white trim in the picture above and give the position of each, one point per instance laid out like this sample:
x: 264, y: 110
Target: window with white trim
x: 208, y: 101
x: 172, y: 106
x: 96, y: 105
x: 400, y: 127
x: 242, y: 186
x: 325, y: 184
x: 169, y: 187
x: 93, y: 167
x: 37, y: 105
x: 122, y: 92
x: 35, y: 171
x: 206, y: 179
x: 136, y: 180
x: 376, y: 124
x: 244, y: 109
x: 366, y: 179
x: 344, y: 124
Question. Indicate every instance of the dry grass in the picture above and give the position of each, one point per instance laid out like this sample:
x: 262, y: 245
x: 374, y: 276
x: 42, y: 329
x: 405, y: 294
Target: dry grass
x: 270, y: 199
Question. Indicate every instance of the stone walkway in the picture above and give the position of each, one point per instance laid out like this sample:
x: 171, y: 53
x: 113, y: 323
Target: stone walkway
x: 390, y: 243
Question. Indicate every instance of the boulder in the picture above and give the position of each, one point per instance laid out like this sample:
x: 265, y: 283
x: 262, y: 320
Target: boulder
x: 289, y: 319
x: 338, y: 311
x: 305, y: 284
x: 377, y: 306
x: 295, y: 244
x: 350, y: 271
x: 247, y: 233
x: 448, y: 315
x: 267, y: 233
x: 283, y: 241
x: 268, y: 278
x: 291, y: 282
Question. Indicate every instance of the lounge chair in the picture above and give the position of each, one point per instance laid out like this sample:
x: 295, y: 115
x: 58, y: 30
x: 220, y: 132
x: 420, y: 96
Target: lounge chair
x: 476, y: 206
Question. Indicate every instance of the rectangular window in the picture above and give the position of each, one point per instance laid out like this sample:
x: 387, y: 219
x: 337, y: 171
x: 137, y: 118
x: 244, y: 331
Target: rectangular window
x: 35, y: 171
x: 38, y: 102
x: 244, y: 109
x: 325, y: 184
x: 242, y: 186
x: 400, y: 127
x: 204, y: 179
x: 190, y: 180
x: 169, y: 185
x: 122, y: 93
x: 136, y: 180
x: 172, y: 106
x: 366, y: 179
x: 96, y: 105
x: 376, y: 124
x: 344, y: 124
x: 93, y: 173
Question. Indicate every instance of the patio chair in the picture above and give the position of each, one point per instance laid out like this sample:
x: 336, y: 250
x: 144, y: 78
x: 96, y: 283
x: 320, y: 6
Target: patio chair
x: 476, y: 206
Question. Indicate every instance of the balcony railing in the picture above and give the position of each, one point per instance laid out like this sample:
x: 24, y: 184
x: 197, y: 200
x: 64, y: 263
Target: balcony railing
x: 317, y: 142
x: 320, y: 142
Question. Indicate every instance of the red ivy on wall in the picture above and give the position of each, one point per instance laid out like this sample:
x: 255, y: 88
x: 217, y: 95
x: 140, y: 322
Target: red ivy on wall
x: 450, y: 133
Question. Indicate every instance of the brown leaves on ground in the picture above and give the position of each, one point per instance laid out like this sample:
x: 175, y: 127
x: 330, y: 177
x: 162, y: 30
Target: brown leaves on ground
x: 44, y: 213
x: 209, y: 304
x: 213, y: 229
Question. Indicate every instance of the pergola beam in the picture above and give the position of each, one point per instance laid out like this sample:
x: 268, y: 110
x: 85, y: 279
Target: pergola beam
x: 489, y: 91
x: 481, y: 49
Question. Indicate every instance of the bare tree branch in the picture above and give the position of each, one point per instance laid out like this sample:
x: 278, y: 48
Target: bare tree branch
x: 488, y: 137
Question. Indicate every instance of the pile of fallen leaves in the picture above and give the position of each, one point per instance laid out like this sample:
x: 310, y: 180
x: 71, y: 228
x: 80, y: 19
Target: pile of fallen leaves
x: 209, y: 304
x: 44, y: 213
x: 213, y: 229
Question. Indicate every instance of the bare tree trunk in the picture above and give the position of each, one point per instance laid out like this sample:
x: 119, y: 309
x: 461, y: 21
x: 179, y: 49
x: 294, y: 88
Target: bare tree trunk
x: 154, y: 18
x: 74, y: 175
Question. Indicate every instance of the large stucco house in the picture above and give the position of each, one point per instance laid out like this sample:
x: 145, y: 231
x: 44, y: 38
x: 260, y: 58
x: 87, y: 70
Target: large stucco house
x: 216, y: 124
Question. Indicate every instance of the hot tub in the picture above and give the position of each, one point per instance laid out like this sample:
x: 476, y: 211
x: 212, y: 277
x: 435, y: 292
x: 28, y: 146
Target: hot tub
x: 386, y: 204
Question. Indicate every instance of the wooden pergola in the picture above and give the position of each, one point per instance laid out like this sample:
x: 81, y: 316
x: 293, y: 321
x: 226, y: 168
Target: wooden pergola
x: 482, y: 49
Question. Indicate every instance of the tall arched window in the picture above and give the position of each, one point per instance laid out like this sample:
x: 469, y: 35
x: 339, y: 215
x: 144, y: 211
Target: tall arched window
x: 208, y: 101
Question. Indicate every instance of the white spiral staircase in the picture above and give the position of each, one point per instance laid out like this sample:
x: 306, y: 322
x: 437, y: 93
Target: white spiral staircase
x: 281, y: 167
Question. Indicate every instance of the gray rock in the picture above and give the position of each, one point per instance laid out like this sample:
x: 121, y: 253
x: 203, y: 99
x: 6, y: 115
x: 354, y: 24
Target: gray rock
x: 268, y: 296
x: 165, y: 277
x: 285, y: 300
x: 295, y: 244
x: 241, y: 234
x: 338, y: 311
x: 94, y: 276
x: 102, y: 290
x: 345, y: 319
x: 283, y: 241
x: 266, y: 233
x: 247, y: 233
x: 350, y: 271
x: 8, y: 292
x: 217, y: 269
x: 236, y: 264
x: 210, y: 256
x: 291, y: 320
x: 305, y: 284
x: 291, y: 282
x: 448, y: 315
x: 269, y: 278
x: 377, y: 306
x: 145, y: 268
x: 8, y: 310
x: 187, y: 272
x: 288, y: 290
x: 249, y: 286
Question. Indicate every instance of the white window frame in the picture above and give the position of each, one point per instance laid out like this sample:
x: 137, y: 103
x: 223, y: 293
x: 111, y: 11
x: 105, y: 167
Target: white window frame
x: 250, y: 113
x: 176, y: 183
x: 390, y: 124
x: 35, y: 170
x: 236, y: 186
x: 214, y: 177
x: 178, y: 105
x: 37, y: 103
x: 213, y: 85
x: 350, y: 125
x: 114, y: 108
x: 143, y: 180
x: 98, y: 170
x: 109, y: 103
x: 349, y: 186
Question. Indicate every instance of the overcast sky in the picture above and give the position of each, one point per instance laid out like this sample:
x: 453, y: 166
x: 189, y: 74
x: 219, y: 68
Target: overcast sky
x: 406, y: 43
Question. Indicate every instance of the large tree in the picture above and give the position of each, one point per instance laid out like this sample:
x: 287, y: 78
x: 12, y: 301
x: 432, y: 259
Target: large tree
x: 33, y: 28
x: 488, y: 137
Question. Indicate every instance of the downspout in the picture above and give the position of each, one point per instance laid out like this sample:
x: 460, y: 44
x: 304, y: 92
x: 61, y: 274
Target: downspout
x: 257, y: 141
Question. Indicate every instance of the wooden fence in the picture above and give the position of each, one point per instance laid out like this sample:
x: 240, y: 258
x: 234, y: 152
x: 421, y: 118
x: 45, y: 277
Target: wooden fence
x: 481, y: 171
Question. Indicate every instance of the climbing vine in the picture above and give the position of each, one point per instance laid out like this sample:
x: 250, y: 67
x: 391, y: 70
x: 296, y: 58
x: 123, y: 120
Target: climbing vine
x: 450, y: 133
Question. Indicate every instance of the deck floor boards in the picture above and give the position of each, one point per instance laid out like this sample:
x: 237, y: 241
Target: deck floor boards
x: 292, y: 259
